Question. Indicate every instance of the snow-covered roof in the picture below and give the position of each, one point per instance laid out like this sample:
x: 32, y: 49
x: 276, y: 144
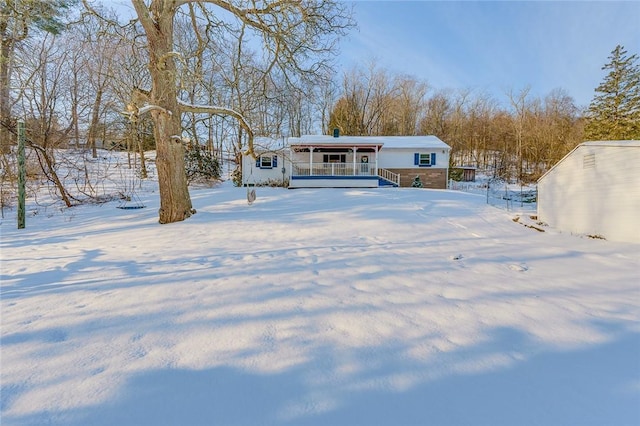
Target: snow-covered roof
x: 386, y: 141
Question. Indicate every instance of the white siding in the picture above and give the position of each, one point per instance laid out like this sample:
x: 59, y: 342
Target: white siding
x: 402, y: 158
x: 594, y: 190
x: 252, y: 175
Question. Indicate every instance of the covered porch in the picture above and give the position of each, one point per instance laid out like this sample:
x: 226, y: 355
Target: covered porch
x: 334, y: 164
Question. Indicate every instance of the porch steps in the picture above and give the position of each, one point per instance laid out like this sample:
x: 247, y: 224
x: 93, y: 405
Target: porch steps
x: 388, y: 178
x: 384, y: 183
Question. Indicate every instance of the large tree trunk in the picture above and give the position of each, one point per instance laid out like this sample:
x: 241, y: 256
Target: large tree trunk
x: 175, y: 202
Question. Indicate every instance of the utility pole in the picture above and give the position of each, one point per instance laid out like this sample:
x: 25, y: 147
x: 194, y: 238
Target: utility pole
x: 22, y: 175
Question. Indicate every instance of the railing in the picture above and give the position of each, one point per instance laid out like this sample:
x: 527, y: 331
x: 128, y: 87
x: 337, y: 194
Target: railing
x: 389, y: 175
x: 344, y: 169
x: 333, y: 169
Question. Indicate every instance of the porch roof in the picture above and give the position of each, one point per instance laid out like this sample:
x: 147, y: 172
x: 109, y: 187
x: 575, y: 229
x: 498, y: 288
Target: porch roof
x: 368, y: 141
x: 331, y: 142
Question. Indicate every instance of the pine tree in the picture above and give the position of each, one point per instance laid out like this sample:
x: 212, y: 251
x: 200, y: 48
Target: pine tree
x: 17, y: 18
x: 614, y: 112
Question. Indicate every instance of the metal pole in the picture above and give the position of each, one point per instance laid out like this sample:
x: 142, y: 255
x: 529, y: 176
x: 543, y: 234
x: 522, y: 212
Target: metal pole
x: 488, y: 185
x: 22, y: 175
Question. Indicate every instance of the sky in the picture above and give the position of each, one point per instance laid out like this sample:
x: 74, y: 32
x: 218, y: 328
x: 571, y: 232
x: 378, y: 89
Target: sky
x: 312, y: 307
x: 491, y: 47
x: 494, y: 47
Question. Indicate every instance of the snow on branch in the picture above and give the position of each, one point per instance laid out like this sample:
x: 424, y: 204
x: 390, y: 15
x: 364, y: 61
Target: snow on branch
x: 212, y: 109
x: 148, y: 108
x: 133, y: 112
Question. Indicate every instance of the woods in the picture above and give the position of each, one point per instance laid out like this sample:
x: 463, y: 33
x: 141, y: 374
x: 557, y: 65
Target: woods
x: 519, y: 138
x: 217, y: 74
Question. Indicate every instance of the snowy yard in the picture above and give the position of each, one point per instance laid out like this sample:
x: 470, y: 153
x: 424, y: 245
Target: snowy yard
x: 316, y: 307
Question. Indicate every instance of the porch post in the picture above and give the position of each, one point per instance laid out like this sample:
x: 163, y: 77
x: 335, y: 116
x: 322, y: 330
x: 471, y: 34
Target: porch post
x: 290, y: 163
x: 376, y: 166
x: 355, y: 148
x: 311, y: 160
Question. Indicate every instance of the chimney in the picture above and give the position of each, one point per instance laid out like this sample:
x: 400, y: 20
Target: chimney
x: 336, y: 133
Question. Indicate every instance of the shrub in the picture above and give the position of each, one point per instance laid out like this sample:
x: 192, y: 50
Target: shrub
x: 201, y: 164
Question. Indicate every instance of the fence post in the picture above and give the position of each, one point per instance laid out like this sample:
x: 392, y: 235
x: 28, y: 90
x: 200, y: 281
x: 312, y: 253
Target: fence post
x: 488, y: 185
x: 22, y: 175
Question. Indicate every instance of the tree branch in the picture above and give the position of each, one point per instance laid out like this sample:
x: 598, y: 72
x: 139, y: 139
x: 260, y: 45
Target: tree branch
x: 210, y: 109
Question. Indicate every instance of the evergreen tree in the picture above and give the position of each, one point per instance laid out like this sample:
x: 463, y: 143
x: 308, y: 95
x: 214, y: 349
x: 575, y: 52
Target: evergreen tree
x: 614, y: 112
x: 17, y: 17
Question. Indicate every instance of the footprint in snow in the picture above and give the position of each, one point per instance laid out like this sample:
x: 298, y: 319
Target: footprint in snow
x: 456, y: 257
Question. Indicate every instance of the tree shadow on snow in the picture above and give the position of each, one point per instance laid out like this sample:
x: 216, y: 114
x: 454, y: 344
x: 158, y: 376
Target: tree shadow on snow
x: 549, y: 388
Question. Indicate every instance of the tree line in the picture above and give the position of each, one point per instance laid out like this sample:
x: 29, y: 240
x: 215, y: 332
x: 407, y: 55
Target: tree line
x: 482, y: 132
x: 213, y: 75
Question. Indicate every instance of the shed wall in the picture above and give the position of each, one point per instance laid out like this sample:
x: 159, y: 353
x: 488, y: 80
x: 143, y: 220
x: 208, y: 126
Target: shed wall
x: 595, y: 190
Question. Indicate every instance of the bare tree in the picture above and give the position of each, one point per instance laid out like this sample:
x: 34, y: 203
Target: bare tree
x: 409, y: 104
x: 518, y: 102
x: 45, y: 102
x: 297, y: 38
x: 435, y: 118
x: 372, y: 103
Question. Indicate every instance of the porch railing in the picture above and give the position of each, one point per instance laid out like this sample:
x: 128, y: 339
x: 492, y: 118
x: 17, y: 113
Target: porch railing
x: 390, y: 176
x: 333, y: 169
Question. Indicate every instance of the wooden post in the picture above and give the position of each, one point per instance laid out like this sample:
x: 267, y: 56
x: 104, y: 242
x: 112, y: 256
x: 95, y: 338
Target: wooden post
x: 22, y: 175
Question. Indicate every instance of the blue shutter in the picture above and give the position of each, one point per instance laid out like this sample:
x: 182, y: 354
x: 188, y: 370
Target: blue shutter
x: 416, y: 159
x: 274, y: 164
x: 433, y: 158
x: 258, y: 162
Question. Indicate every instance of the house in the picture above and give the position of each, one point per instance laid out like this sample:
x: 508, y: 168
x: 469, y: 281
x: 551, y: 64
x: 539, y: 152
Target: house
x: 353, y: 161
x: 594, y: 190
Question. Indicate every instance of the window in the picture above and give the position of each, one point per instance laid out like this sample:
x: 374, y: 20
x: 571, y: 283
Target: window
x: 267, y: 162
x: 334, y: 158
x: 424, y: 160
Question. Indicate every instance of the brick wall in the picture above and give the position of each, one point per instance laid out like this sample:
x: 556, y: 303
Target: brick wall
x: 430, y: 178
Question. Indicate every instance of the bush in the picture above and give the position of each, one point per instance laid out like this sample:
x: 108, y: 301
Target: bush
x: 201, y: 164
x: 455, y: 174
x: 236, y: 176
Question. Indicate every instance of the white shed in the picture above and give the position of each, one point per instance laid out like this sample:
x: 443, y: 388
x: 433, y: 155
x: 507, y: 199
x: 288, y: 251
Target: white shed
x: 594, y: 190
x: 268, y: 168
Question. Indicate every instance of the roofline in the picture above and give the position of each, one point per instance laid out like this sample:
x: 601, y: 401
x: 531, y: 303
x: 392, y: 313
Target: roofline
x: 334, y: 145
x: 611, y: 144
x: 348, y: 139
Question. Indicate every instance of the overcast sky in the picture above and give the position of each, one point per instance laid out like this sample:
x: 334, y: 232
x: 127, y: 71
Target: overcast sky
x: 495, y: 46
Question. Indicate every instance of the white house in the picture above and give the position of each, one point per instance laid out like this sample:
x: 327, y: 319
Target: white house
x: 594, y: 190
x: 352, y: 161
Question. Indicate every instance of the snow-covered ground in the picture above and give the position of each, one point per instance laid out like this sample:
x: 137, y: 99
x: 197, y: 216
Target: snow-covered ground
x: 316, y: 307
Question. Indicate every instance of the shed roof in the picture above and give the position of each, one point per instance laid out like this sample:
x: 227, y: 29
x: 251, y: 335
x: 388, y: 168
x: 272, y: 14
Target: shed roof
x: 618, y: 144
x: 612, y: 143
